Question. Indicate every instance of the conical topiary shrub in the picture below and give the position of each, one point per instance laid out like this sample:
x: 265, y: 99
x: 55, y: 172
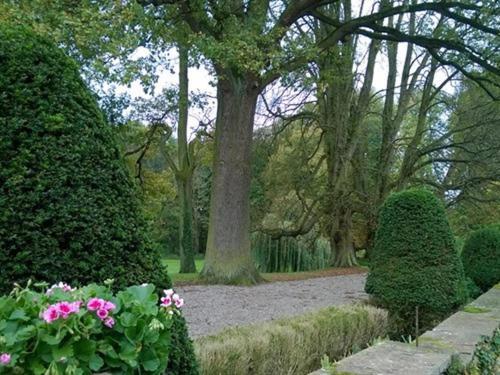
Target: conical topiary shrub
x: 481, y: 257
x: 68, y: 210
x: 414, y: 260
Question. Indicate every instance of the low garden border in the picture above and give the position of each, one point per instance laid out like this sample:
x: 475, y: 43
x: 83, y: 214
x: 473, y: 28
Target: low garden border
x: 455, y: 338
x: 293, y: 345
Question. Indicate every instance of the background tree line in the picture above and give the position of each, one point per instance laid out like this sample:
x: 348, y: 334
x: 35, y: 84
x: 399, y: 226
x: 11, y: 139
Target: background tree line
x: 333, y: 145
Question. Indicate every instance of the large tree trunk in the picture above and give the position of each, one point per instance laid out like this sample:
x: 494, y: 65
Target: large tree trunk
x: 228, y: 258
x: 184, y: 173
x: 342, y: 242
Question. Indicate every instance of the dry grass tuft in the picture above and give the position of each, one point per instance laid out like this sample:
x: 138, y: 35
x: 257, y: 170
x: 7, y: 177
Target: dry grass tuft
x: 291, y: 345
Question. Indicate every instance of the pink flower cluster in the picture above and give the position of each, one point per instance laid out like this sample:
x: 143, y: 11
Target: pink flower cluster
x: 102, y: 309
x: 5, y: 358
x: 171, y: 297
x: 65, y: 288
x: 62, y: 310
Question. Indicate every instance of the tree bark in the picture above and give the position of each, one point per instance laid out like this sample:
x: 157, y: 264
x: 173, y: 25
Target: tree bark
x: 184, y: 173
x: 186, y: 243
x: 342, y: 241
x: 228, y: 257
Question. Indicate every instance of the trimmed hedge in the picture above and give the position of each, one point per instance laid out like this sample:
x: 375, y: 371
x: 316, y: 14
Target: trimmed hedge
x: 481, y: 257
x: 68, y: 208
x: 414, y: 261
x: 291, y: 345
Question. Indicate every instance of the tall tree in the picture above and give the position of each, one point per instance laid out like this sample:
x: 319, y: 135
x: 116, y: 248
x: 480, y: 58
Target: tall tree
x: 249, y: 46
x: 342, y: 109
x: 184, y: 167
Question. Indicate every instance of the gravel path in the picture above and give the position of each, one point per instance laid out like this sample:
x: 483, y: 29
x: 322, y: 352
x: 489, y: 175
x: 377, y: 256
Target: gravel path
x: 210, y: 308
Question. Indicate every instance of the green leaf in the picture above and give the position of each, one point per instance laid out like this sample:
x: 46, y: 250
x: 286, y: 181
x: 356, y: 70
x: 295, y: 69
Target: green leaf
x: 128, y: 319
x: 60, y: 353
x: 108, y: 351
x: 142, y: 294
x: 136, y: 332
x: 51, y: 339
x: 19, y: 314
x: 151, y: 336
x: 96, y: 362
x: 26, y: 333
x: 128, y: 353
x: 149, y: 360
x: 37, y: 368
x: 84, y: 349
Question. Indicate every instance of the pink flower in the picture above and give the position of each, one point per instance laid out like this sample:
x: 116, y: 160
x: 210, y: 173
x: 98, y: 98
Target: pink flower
x: 168, y: 292
x: 51, y: 314
x: 64, y: 309
x: 95, y: 304
x: 166, y: 301
x: 179, y: 303
x: 5, y: 358
x: 108, y: 305
x: 102, y: 314
x: 75, y: 306
x: 109, y: 322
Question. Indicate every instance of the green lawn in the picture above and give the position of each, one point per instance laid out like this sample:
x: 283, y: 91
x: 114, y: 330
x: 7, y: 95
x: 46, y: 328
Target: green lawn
x: 173, y: 265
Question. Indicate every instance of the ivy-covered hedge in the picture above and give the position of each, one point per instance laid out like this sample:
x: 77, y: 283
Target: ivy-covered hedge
x: 481, y: 257
x: 68, y: 209
x: 414, y: 260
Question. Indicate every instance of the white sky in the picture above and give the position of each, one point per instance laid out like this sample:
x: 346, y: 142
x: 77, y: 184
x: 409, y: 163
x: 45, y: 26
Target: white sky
x: 200, y: 79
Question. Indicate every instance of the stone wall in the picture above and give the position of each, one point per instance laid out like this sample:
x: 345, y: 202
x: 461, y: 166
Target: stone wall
x: 456, y: 335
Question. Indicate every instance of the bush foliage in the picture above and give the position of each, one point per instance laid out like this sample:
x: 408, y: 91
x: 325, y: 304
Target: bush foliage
x: 414, y: 260
x: 68, y: 209
x: 292, y: 345
x: 39, y: 338
x: 481, y: 257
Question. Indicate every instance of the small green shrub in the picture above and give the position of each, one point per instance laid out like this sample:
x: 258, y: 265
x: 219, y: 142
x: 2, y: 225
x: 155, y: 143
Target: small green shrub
x: 472, y: 289
x: 293, y: 345
x: 486, y: 357
x: 86, y: 330
x: 414, y: 261
x: 456, y: 366
x: 481, y: 257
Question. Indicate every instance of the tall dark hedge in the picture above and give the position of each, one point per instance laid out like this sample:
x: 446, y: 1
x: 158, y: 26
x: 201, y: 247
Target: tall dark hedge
x: 481, y: 257
x: 68, y: 209
x: 414, y: 260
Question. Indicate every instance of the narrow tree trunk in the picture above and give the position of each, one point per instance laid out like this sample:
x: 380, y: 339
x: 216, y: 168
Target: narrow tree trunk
x: 228, y: 259
x: 186, y: 246
x: 184, y: 173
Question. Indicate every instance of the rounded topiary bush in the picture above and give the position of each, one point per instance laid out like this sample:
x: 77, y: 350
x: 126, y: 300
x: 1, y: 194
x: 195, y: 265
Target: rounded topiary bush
x: 68, y: 209
x: 414, y: 260
x: 481, y: 257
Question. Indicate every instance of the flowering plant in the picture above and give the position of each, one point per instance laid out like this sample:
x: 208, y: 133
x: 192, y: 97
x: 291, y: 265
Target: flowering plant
x: 82, y: 331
